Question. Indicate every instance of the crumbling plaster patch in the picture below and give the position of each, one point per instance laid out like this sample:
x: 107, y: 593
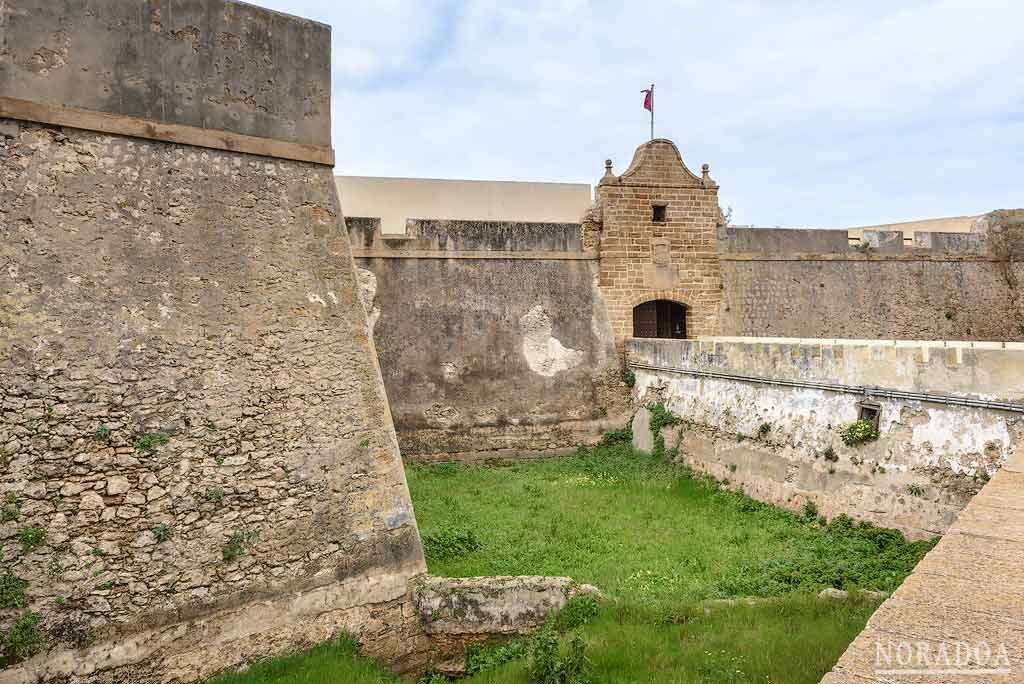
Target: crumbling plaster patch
x: 961, y: 440
x: 367, y: 295
x: 964, y: 441
x: 450, y: 371
x: 544, y: 354
x: 442, y: 415
x: 600, y: 326
x: 927, y: 463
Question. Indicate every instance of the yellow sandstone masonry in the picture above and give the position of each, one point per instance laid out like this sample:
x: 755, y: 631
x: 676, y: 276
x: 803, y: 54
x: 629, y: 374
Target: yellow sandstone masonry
x: 643, y: 257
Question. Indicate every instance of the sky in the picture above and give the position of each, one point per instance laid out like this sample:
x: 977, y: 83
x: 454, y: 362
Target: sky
x: 811, y: 114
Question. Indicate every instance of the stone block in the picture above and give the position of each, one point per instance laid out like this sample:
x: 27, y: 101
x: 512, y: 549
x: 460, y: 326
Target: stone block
x: 643, y: 437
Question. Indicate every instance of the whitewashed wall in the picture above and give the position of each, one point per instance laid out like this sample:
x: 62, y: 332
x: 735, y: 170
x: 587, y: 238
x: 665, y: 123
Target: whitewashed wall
x: 929, y: 460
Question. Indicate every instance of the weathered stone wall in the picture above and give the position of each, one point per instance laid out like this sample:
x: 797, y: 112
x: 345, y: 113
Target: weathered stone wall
x: 643, y: 259
x: 782, y: 444
x: 199, y: 464
x: 217, y: 65
x: 493, y: 337
x: 812, y: 283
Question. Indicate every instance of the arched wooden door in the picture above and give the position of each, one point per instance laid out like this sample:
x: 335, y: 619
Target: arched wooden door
x: 659, y: 318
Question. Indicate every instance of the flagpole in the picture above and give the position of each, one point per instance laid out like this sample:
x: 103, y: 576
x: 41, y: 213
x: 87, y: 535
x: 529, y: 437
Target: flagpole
x: 652, y: 111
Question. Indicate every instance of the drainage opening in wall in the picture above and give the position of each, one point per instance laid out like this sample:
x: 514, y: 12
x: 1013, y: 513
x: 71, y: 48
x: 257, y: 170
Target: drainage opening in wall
x: 870, y: 411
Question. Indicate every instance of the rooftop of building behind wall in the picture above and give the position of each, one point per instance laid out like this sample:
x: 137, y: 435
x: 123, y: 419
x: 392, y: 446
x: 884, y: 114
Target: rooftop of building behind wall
x: 396, y: 200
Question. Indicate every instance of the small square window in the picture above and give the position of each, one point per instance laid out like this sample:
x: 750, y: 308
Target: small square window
x: 658, y: 212
x: 869, y: 411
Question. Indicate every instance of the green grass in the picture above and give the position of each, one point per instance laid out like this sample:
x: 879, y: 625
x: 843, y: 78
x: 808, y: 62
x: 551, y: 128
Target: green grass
x: 659, y: 542
x: 786, y: 642
x: 334, y: 661
x: 645, y: 531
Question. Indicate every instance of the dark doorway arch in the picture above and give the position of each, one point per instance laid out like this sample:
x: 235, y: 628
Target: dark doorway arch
x: 659, y: 318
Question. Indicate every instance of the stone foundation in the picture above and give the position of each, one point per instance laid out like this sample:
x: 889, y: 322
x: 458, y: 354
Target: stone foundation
x: 456, y: 613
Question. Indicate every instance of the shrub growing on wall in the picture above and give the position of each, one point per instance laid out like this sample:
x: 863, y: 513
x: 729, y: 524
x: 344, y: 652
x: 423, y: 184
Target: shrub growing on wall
x: 22, y: 640
x: 858, y: 432
x: 613, y: 437
x: 12, y: 592
x: 661, y: 417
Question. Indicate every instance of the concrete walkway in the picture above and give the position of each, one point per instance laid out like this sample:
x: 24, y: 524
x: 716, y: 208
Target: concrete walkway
x: 966, y: 594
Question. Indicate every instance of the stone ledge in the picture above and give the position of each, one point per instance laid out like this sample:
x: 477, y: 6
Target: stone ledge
x: 456, y: 613
x: 493, y: 605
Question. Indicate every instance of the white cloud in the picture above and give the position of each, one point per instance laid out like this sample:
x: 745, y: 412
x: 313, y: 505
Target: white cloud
x: 823, y: 114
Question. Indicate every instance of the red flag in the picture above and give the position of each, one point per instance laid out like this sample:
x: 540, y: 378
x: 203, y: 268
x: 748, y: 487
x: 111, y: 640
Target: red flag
x: 648, y: 98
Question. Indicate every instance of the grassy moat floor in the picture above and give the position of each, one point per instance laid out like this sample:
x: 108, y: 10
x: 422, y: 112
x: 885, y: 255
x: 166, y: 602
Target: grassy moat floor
x: 658, y: 541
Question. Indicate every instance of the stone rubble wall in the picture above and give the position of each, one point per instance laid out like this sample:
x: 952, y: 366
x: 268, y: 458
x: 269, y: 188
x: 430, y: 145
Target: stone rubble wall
x: 782, y: 444
x: 199, y: 466
x: 154, y: 292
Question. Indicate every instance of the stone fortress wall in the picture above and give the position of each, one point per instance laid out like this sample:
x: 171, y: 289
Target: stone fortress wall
x: 199, y: 464
x: 504, y: 339
x: 472, y: 371
x: 813, y: 283
x: 200, y: 467
x: 493, y: 337
x: 767, y: 414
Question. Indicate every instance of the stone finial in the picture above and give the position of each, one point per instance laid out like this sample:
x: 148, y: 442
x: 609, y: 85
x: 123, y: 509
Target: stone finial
x: 609, y: 176
x: 705, y: 180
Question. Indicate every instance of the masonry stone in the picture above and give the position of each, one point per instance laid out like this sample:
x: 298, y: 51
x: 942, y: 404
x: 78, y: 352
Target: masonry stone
x: 643, y: 436
x: 814, y: 283
x: 458, y: 612
x: 492, y: 337
x: 203, y: 364
x: 768, y: 415
x: 644, y: 259
x: 224, y: 66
